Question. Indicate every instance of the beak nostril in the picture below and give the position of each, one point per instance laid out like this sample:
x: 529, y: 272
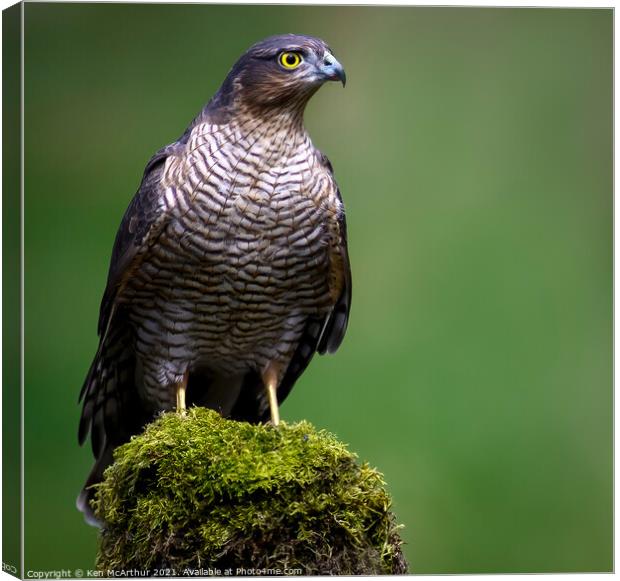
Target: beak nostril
x: 331, y: 69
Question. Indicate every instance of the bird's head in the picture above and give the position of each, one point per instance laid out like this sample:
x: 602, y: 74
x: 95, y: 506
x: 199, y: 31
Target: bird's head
x: 282, y: 71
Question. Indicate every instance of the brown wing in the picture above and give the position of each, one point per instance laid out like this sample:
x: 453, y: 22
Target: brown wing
x: 337, y: 321
x: 109, y: 383
x: 142, y: 223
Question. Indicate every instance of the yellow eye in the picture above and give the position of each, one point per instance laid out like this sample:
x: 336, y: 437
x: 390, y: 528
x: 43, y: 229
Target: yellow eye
x: 290, y: 60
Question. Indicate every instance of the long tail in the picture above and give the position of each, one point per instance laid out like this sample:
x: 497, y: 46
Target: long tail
x: 87, y: 493
x: 112, y: 410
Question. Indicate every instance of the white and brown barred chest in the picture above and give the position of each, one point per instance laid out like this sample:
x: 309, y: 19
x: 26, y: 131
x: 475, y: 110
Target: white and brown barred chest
x: 247, y: 256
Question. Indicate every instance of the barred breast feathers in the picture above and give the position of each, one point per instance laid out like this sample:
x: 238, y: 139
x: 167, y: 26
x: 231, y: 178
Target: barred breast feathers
x: 253, y: 164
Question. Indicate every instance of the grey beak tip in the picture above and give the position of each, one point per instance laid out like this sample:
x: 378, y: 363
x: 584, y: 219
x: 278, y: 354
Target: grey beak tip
x: 343, y: 77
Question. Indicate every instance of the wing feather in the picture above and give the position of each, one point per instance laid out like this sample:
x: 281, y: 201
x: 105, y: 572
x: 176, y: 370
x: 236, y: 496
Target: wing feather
x: 338, y: 319
x: 142, y: 223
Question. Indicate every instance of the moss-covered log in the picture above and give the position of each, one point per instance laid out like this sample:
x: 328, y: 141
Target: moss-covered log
x: 199, y: 492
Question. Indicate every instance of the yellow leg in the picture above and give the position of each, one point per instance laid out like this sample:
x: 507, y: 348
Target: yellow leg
x: 270, y: 379
x: 180, y: 392
x: 273, y: 404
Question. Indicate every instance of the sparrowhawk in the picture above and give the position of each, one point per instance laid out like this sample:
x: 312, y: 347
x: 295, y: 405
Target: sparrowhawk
x: 230, y: 267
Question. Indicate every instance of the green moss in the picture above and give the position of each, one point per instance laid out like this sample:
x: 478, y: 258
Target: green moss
x: 201, y: 491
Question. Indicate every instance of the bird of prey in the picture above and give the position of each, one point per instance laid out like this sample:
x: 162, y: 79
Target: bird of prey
x: 230, y: 267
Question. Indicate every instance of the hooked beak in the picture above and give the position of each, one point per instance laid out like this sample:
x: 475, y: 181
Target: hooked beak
x: 332, y: 70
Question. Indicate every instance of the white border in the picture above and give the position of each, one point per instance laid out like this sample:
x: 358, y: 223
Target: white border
x: 480, y: 3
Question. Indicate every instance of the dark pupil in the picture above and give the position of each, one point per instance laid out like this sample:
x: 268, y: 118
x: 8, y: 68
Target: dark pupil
x: 291, y: 59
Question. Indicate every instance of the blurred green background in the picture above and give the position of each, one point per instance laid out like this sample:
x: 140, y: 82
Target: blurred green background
x: 473, y: 148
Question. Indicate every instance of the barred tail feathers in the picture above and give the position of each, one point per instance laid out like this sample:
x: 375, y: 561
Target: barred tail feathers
x: 112, y: 411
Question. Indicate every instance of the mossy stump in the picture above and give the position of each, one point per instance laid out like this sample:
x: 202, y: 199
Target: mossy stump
x: 200, y: 494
